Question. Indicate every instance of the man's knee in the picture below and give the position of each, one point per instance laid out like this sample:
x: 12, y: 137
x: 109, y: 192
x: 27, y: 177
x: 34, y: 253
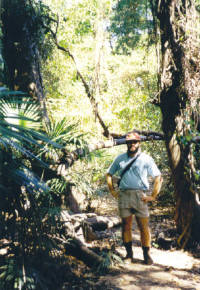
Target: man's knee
x: 143, y: 223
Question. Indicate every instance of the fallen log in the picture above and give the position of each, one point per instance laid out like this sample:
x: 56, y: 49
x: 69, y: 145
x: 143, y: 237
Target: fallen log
x: 101, y: 223
x: 75, y: 248
x: 88, y: 227
x: 96, y: 221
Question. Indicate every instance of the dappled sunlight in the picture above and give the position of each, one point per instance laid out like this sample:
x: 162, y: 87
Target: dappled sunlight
x: 172, y: 269
x: 140, y: 276
x: 176, y: 259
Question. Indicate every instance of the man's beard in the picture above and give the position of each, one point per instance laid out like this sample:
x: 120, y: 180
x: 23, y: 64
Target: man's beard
x: 130, y: 152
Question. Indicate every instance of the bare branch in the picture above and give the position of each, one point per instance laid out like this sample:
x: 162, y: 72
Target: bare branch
x: 84, y: 82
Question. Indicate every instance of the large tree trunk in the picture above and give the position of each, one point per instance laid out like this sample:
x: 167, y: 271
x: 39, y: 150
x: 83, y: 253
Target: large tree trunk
x: 20, y: 50
x: 180, y: 78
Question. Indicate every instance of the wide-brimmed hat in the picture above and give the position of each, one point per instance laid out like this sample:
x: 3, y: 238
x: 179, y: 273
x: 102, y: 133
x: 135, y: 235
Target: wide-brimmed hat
x: 133, y: 136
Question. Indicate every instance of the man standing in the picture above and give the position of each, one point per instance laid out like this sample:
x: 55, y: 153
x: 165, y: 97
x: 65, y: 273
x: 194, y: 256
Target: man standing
x: 131, y: 196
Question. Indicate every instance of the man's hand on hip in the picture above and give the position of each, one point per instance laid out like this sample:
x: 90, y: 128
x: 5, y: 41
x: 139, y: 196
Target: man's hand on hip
x: 114, y: 193
x: 148, y: 198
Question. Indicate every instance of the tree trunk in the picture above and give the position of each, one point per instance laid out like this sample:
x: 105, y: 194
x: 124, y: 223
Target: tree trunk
x: 20, y: 51
x: 76, y: 249
x: 179, y: 94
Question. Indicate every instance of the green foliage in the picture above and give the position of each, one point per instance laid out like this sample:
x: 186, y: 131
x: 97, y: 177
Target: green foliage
x: 19, y: 109
x: 127, y: 84
x: 65, y: 133
x: 118, y: 79
x: 14, y: 116
x: 131, y: 20
x: 110, y: 258
x: 84, y: 27
x: 28, y: 211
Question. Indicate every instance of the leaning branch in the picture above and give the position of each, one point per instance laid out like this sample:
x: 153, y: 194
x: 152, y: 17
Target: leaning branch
x: 84, y: 82
x: 62, y: 167
x: 69, y: 158
x: 145, y: 135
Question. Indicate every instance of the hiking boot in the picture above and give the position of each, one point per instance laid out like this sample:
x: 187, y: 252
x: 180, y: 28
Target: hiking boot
x: 147, y: 258
x: 129, y: 252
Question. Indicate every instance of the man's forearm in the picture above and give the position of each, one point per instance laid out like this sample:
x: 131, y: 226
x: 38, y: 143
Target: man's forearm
x: 157, y: 186
x: 156, y: 189
x: 110, y: 185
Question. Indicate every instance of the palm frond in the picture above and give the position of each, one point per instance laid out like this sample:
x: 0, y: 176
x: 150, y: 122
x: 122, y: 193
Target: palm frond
x: 64, y: 132
x: 15, y: 105
x: 16, y: 133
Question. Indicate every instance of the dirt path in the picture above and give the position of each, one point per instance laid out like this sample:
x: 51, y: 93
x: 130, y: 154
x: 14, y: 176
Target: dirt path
x: 172, y: 269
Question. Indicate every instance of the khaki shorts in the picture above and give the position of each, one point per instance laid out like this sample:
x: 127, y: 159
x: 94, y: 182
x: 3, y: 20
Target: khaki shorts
x: 130, y: 202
